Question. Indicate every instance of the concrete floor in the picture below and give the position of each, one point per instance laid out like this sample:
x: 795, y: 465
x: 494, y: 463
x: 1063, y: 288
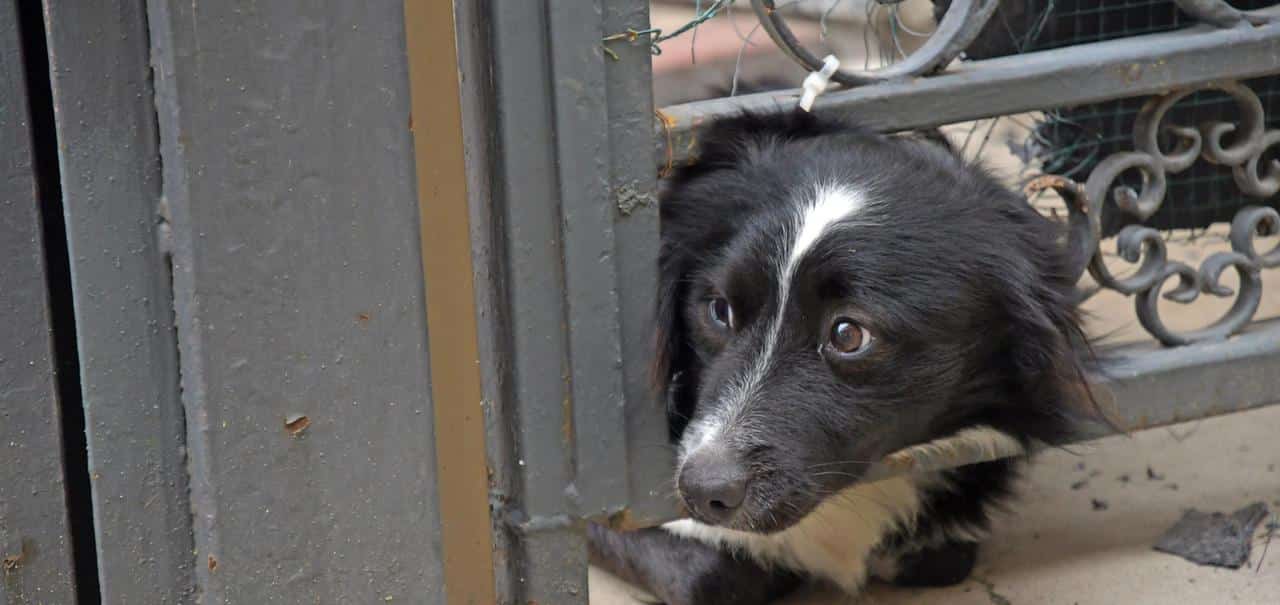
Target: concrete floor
x: 1055, y: 548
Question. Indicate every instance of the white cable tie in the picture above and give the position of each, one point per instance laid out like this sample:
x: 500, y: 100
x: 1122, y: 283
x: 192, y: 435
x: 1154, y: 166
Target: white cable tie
x: 816, y: 82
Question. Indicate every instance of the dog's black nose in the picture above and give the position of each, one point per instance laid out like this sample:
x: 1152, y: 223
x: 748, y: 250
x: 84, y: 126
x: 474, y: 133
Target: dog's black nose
x: 713, y: 484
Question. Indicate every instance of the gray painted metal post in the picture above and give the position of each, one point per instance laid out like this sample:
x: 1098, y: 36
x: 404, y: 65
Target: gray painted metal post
x: 99, y: 56
x: 633, y: 198
x: 35, y: 543
x: 565, y: 242
x: 549, y: 556
x: 479, y: 121
x: 287, y: 165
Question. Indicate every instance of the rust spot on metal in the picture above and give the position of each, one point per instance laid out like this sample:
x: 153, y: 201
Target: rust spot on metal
x: 213, y: 563
x: 362, y: 318
x: 1071, y: 191
x: 693, y: 143
x: 1044, y: 181
x: 296, y: 423
x: 1133, y: 73
x: 566, y: 420
x: 622, y: 520
x: 25, y: 551
x: 667, y: 123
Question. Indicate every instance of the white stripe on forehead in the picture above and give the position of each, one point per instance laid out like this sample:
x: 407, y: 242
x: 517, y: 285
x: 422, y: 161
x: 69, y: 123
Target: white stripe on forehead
x: 829, y: 205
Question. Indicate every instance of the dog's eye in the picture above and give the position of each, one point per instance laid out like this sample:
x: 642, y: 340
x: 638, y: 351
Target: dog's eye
x: 847, y: 337
x: 720, y: 312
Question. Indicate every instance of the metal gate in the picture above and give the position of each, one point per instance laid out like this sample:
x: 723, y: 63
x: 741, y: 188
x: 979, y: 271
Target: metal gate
x: 349, y: 302
x: 562, y: 125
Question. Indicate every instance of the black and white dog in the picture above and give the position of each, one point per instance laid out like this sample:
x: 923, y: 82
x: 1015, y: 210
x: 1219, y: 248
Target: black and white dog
x: 830, y: 296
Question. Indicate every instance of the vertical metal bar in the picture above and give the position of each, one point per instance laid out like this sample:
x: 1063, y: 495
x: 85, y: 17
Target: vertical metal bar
x: 633, y: 201
x: 100, y: 73
x: 533, y: 253
x: 595, y: 406
x: 35, y: 539
x: 550, y: 559
x: 437, y: 129
x: 479, y: 122
x: 301, y: 316
x: 566, y: 257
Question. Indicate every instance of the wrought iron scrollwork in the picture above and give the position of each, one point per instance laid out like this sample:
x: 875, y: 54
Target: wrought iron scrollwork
x: 1084, y: 227
x: 961, y: 24
x: 958, y: 28
x: 1240, y: 146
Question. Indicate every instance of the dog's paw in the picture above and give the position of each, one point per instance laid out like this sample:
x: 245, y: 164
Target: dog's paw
x: 945, y: 565
x: 728, y: 580
x: 682, y: 571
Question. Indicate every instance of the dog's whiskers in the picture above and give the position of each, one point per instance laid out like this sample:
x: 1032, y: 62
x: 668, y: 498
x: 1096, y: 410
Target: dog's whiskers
x: 839, y: 462
x: 836, y: 473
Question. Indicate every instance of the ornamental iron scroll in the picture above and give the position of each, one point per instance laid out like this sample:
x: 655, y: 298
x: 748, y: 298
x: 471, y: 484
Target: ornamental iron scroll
x: 965, y: 23
x: 1240, y: 146
x: 959, y: 26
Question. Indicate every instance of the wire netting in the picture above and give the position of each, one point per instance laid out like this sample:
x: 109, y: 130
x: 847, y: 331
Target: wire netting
x: 1071, y: 141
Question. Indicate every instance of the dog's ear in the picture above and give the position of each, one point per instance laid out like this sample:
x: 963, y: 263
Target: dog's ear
x: 672, y: 372
x: 1049, y: 355
x: 933, y: 137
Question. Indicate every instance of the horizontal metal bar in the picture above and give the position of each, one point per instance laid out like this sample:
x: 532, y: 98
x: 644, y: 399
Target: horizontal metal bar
x: 1157, y: 386
x: 1128, y: 67
x: 1154, y: 386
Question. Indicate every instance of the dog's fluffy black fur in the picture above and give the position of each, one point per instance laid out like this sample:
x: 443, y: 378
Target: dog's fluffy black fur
x: 829, y: 296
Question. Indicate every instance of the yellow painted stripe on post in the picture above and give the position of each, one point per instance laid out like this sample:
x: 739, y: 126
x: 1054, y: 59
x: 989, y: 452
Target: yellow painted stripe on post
x: 436, y: 122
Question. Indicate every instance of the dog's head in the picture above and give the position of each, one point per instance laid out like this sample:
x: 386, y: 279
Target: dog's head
x: 829, y: 296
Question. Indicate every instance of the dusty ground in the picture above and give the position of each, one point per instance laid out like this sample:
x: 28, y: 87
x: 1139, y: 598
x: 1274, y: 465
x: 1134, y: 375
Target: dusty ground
x: 1057, y: 549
